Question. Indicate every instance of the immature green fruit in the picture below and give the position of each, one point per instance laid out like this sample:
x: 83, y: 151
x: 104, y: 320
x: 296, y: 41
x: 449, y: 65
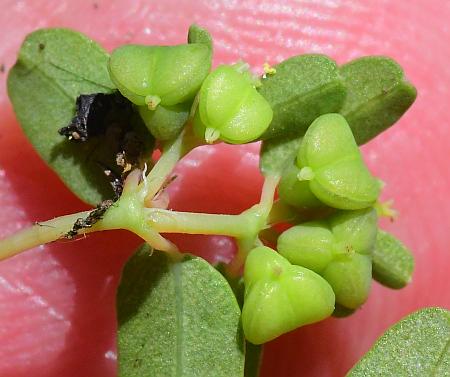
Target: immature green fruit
x: 230, y: 108
x: 309, y: 245
x: 279, y: 296
x: 166, y: 75
x: 331, y: 162
x: 340, y: 249
x: 355, y: 231
x: 165, y: 122
x: 350, y: 277
x: 295, y: 192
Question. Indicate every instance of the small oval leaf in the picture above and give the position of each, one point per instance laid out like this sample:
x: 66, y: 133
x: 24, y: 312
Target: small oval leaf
x: 177, y: 318
x: 197, y: 34
x: 302, y: 88
x: 417, y: 346
x: 277, y: 154
x: 393, y: 263
x: 377, y: 95
x: 54, y: 67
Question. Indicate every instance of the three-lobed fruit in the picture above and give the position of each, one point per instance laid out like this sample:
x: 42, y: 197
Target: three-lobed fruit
x: 339, y: 249
x: 279, y: 296
x: 330, y: 161
x: 153, y: 75
x: 230, y: 108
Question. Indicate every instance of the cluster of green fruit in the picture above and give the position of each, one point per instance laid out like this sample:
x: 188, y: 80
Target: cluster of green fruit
x: 163, y: 81
x: 323, y: 265
x: 319, y: 262
x: 311, y: 116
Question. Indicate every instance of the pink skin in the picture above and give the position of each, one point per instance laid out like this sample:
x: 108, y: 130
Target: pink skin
x: 57, y: 302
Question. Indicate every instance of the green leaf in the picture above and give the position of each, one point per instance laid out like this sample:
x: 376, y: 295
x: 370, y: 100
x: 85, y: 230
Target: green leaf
x: 277, y: 154
x: 54, y: 67
x: 377, y: 95
x: 393, y: 263
x: 253, y: 352
x: 302, y: 88
x: 417, y: 346
x: 177, y: 318
x: 197, y: 34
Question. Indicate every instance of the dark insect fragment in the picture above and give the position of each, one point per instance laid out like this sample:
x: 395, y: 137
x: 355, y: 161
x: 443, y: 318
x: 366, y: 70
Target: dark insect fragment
x: 87, y: 222
x: 91, y: 115
x: 109, y: 133
x: 115, y: 180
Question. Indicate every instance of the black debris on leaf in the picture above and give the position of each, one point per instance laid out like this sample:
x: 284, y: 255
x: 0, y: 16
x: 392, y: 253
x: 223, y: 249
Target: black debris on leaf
x: 115, y: 180
x: 131, y: 148
x: 77, y: 129
x: 93, y: 216
x: 117, y: 138
x: 91, y: 115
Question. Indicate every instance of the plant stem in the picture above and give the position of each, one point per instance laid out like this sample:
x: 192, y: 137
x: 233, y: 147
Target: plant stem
x: 41, y: 233
x: 55, y: 229
x: 244, y: 246
x: 247, y: 243
x: 166, y: 221
x: 173, y: 151
x: 268, y: 193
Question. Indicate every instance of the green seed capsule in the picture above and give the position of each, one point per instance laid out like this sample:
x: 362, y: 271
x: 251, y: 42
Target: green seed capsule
x: 166, y: 75
x: 279, y: 297
x: 295, y: 192
x: 357, y: 230
x: 309, y: 245
x: 351, y: 278
x: 230, y: 108
x: 165, y: 122
x: 331, y: 162
x: 339, y: 249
